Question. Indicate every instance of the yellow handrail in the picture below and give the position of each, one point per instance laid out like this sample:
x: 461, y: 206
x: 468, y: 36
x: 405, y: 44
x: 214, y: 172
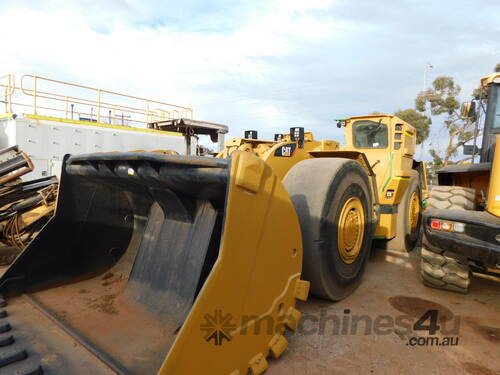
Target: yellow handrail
x: 44, y: 100
x: 9, y: 90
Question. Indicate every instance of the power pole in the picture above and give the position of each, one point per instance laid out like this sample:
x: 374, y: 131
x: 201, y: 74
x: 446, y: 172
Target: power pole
x: 428, y: 66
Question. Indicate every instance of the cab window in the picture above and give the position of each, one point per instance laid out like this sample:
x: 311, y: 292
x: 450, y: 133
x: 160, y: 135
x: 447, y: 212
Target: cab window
x: 496, y: 120
x: 370, y: 134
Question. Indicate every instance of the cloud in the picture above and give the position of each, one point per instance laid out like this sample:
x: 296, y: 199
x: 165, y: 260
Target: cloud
x: 264, y: 65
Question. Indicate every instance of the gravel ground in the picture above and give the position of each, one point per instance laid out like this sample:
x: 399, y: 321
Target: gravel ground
x: 372, y: 331
x: 388, y: 303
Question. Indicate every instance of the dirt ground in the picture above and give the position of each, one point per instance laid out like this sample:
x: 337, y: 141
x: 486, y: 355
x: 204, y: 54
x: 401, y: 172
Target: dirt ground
x: 372, y: 331
x: 328, y: 342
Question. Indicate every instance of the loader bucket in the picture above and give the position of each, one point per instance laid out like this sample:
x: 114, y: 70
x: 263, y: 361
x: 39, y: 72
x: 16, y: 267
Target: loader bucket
x: 163, y: 264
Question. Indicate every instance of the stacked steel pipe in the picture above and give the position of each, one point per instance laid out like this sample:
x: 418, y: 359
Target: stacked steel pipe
x: 25, y: 207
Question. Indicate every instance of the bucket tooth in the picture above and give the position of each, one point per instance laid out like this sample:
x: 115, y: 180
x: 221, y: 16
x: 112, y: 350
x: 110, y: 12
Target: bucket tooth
x: 258, y: 364
x: 292, y: 318
x: 277, y: 345
x: 302, y: 289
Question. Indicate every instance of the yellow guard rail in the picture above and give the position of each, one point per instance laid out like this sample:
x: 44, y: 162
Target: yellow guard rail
x: 45, y: 96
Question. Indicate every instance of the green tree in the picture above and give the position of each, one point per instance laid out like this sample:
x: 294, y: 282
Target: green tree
x: 443, y: 101
x: 419, y: 121
x: 482, y: 92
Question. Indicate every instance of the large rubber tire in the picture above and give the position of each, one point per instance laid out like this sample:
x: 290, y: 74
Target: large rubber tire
x: 452, y: 198
x: 406, y: 238
x: 445, y: 270
x: 440, y: 268
x: 319, y: 189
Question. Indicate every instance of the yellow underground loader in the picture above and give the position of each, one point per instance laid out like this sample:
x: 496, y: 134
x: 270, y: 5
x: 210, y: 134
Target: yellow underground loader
x: 166, y: 264
x: 462, y: 226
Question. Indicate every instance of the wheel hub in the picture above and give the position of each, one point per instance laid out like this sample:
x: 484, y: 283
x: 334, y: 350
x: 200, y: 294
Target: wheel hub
x: 413, y: 212
x: 351, y: 230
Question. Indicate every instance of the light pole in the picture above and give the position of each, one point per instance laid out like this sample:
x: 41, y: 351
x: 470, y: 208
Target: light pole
x: 428, y: 66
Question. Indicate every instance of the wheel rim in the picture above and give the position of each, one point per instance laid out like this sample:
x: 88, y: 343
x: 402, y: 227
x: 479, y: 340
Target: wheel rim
x: 413, y: 212
x: 351, y: 230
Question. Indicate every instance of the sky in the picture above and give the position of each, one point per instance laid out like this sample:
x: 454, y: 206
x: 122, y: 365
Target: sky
x: 260, y: 65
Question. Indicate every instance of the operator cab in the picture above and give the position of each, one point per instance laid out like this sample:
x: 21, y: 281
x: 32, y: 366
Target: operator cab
x: 388, y: 144
x: 492, y: 121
